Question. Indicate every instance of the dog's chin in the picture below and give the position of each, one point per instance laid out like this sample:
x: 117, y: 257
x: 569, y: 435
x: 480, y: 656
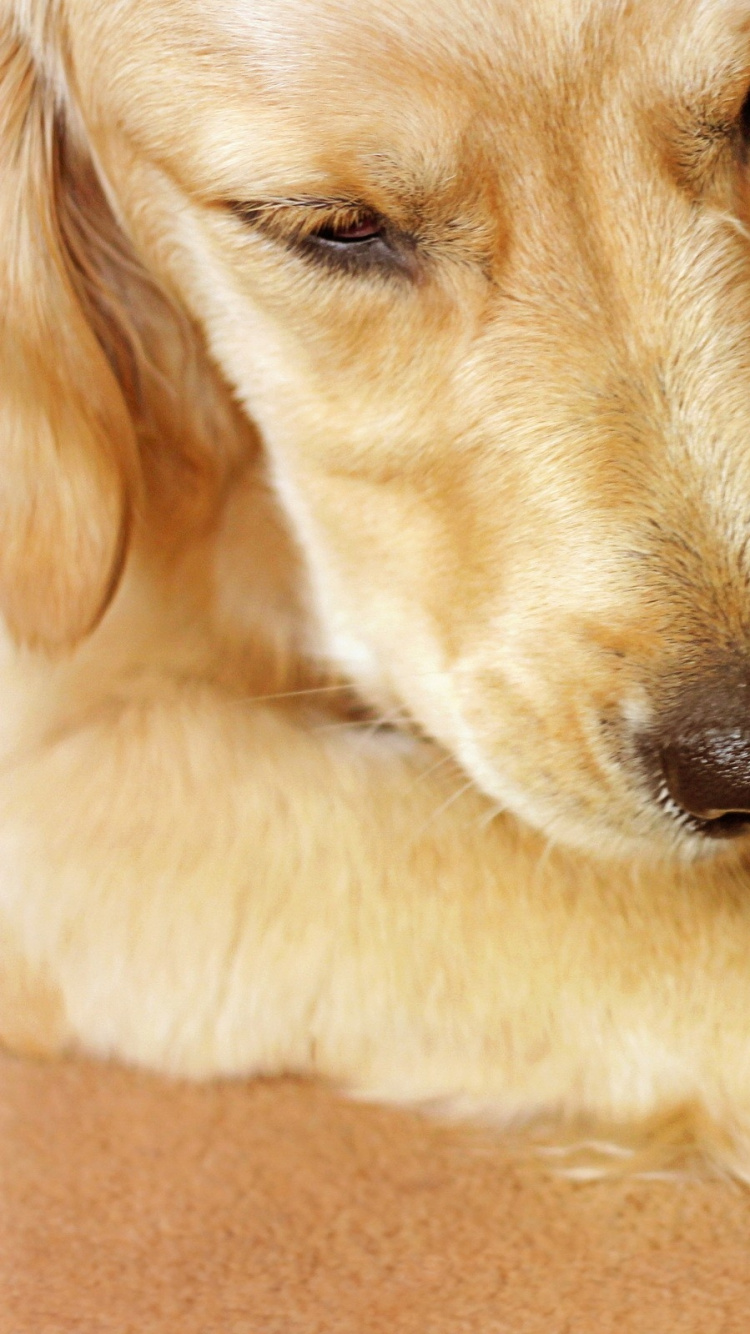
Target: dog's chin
x: 650, y: 842
x: 638, y: 830
x: 646, y: 840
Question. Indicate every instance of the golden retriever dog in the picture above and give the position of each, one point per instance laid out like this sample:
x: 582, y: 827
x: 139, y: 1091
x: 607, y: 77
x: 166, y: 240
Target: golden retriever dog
x: 375, y: 550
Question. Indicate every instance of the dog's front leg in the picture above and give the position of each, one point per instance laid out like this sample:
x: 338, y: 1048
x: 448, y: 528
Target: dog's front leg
x: 203, y: 885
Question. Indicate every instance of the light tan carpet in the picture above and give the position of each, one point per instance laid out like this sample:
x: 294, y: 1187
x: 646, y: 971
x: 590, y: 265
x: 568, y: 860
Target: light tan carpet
x: 131, y: 1204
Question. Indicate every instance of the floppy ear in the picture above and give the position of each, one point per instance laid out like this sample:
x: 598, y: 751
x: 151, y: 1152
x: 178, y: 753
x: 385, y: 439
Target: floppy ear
x: 67, y: 444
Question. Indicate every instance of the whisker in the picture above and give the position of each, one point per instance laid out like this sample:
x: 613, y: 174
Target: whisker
x: 542, y: 861
x: 434, y: 768
x: 298, y: 694
x: 484, y: 821
x: 357, y: 725
x: 349, y: 724
x: 367, y: 727
x: 445, y: 806
x: 343, y: 686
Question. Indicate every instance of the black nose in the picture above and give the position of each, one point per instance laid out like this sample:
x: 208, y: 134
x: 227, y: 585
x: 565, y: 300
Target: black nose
x: 707, y: 775
x: 698, y: 757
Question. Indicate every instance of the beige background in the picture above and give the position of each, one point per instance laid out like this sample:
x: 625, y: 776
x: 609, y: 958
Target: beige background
x: 132, y: 1204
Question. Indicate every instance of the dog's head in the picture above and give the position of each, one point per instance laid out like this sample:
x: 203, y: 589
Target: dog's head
x: 479, y: 271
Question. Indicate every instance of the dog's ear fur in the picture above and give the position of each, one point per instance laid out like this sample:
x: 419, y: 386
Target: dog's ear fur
x: 67, y: 444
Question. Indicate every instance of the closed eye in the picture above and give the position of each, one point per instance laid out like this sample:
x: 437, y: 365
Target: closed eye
x: 347, y: 237
x: 366, y: 228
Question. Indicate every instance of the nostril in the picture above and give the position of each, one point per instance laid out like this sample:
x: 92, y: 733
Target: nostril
x: 707, y: 776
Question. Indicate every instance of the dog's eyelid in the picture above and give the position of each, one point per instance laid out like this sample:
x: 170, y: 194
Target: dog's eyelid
x: 325, y: 229
x: 283, y: 203
x: 293, y: 219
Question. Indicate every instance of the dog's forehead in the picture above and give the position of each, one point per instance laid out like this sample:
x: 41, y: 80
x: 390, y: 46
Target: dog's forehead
x: 282, y: 25
x: 291, y: 38
x: 350, y: 71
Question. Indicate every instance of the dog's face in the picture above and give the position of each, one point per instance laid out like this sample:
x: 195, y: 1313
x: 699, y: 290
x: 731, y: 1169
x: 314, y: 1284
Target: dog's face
x: 478, y: 270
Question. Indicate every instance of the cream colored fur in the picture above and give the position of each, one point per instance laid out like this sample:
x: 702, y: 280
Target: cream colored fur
x: 334, y: 599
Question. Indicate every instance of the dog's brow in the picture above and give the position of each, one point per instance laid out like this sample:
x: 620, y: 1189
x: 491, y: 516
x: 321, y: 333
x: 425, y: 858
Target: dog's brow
x: 409, y: 193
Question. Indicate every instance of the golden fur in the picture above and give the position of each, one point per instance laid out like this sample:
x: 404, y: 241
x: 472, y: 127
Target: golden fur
x: 252, y: 501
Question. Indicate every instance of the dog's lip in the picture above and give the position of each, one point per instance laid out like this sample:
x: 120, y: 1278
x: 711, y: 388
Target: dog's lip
x: 722, y: 825
x: 729, y: 825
